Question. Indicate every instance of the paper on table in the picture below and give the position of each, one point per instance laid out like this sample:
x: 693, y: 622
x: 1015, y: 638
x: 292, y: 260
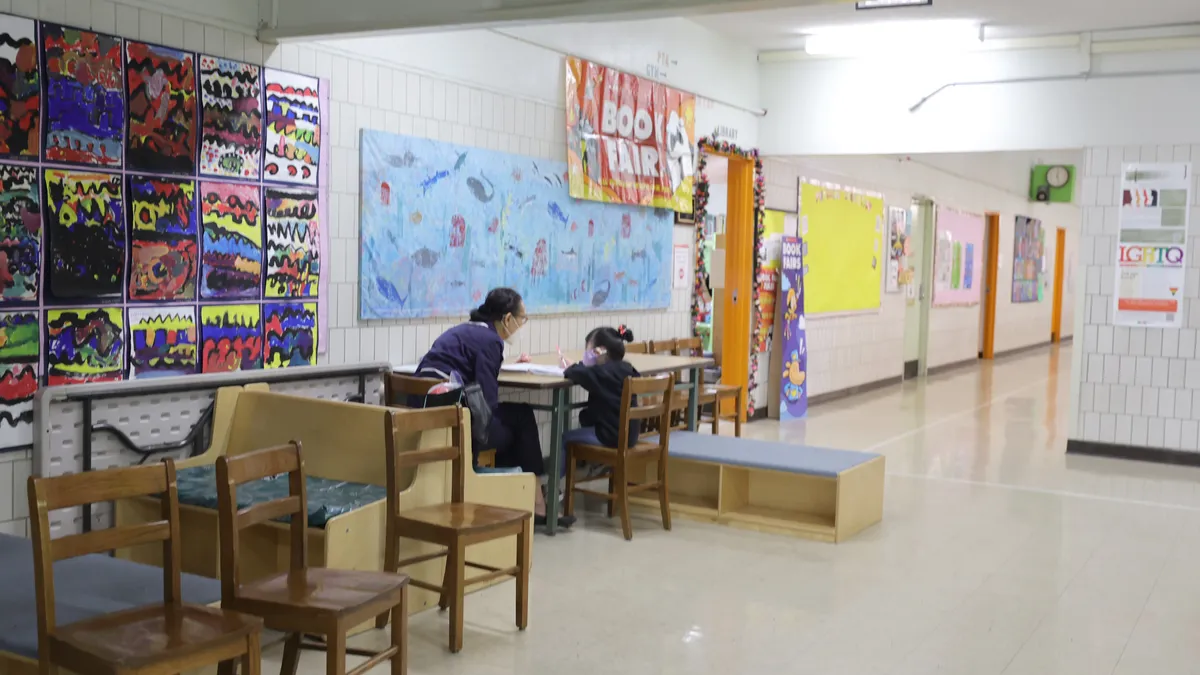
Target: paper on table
x: 533, y: 369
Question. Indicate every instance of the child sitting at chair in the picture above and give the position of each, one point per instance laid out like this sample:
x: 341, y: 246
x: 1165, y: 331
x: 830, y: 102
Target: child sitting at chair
x: 602, y: 373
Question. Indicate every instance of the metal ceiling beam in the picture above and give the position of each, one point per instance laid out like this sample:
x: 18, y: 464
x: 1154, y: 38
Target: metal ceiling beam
x: 282, y: 20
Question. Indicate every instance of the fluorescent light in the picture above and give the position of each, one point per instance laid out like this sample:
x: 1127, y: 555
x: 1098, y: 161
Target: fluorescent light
x: 895, y: 38
x: 885, y: 4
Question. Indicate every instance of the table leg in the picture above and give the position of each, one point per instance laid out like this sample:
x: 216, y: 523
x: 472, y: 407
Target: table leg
x: 693, y: 413
x: 558, y: 420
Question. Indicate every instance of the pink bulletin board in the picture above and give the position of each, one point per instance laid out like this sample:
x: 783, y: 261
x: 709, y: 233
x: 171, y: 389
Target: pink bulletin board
x: 958, y: 274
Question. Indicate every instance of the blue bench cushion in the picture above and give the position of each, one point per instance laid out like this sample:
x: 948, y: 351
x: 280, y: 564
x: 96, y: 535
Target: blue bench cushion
x: 765, y: 454
x: 327, y: 499
x: 84, y: 587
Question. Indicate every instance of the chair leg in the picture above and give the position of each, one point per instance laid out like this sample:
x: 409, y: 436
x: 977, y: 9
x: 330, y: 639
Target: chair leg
x: 612, y: 493
x: 400, y: 635
x: 252, y: 661
x: 447, y: 576
x: 391, y: 562
x: 291, y: 654
x: 227, y: 668
x: 664, y: 499
x: 741, y: 410
x: 623, y: 496
x: 569, y: 497
x: 716, y: 420
x: 335, y: 653
x: 456, y: 603
x: 524, y: 555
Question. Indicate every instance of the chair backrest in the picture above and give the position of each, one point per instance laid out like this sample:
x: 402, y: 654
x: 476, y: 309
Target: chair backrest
x: 399, y: 387
x: 636, y: 348
x: 403, y: 422
x: 251, y: 466
x: 61, y: 492
x: 654, y: 403
x: 692, y: 346
x: 662, y: 346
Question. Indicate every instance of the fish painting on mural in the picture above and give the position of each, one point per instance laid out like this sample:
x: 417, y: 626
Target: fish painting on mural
x: 405, y: 161
x: 601, y: 296
x: 639, y: 254
x: 462, y: 159
x: 569, y: 256
x: 477, y: 189
x: 528, y: 200
x: 425, y: 257
x: 515, y: 251
x: 557, y: 213
x: 428, y: 183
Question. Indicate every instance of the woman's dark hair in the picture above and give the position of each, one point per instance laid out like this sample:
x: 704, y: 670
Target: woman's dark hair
x: 499, y: 301
x: 612, y: 340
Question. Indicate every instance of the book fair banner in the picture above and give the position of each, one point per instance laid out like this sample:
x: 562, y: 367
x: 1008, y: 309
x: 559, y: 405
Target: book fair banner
x: 630, y: 140
x: 793, y: 386
x: 1152, y: 245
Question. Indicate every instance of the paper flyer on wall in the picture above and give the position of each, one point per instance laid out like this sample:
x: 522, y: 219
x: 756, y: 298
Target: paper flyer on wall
x: 1152, y: 245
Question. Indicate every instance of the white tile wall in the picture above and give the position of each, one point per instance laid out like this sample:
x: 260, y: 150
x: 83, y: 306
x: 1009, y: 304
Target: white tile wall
x: 1136, y: 386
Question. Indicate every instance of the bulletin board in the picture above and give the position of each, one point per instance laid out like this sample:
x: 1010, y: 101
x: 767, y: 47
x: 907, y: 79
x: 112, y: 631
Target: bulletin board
x: 843, y: 231
x: 162, y: 214
x: 958, y: 258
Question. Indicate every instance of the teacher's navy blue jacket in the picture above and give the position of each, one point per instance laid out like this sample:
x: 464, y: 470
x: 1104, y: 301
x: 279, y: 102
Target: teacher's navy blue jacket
x: 474, y: 351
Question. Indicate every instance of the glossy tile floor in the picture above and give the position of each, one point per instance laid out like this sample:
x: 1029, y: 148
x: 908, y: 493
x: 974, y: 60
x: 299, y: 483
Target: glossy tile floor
x: 997, y: 554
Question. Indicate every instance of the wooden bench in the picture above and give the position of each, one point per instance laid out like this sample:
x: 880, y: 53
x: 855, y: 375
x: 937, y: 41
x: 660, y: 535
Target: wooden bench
x: 342, y: 442
x: 817, y: 493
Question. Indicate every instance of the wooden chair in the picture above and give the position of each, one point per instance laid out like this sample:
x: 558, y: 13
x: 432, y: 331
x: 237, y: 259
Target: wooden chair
x: 303, y: 600
x: 624, y: 459
x: 153, y: 640
x: 636, y: 348
x: 456, y: 525
x: 714, y: 394
x: 398, y: 388
x: 663, y: 346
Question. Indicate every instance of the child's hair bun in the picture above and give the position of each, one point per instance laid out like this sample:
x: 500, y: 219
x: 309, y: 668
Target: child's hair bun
x: 625, y: 333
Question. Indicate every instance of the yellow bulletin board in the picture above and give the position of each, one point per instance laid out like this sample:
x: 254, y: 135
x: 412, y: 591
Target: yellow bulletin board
x: 843, y: 231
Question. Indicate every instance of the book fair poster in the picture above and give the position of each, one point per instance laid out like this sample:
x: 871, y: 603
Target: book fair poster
x: 1152, y: 245
x: 793, y: 385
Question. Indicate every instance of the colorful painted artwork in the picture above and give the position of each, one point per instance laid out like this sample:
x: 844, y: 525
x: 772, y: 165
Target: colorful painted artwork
x: 231, y: 259
x: 86, y: 234
x: 19, y: 353
x: 161, y: 87
x: 293, y: 128
x: 84, y: 345
x: 164, y: 251
x: 793, y: 382
x: 20, y: 234
x: 442, y: 224
x: 291, y: 334
x: 1028, y: 259
x: 293, y: 243
x: 85, y: 105
x: 231, y: 124
x: 231, y: 338
x: 162, y: 341
x: 20, y: 89
x: 958, y: 252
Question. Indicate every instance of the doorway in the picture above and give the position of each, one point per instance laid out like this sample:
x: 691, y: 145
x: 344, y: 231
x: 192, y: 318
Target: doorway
x: 1060, y: 256
x: 987, y: 349
x: 919, y: 293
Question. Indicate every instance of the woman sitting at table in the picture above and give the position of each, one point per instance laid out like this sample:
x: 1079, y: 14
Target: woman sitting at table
x: 475, y: 350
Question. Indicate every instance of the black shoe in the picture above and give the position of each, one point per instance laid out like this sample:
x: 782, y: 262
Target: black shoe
x: 564, y: 522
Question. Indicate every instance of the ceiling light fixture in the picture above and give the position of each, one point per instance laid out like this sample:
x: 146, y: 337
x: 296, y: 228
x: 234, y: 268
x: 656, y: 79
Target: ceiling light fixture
x: 886, y: 4
x: 895, y: 39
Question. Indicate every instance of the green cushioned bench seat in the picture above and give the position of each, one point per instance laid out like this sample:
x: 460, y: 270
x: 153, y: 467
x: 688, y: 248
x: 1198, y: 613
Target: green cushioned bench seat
x: 327, y: 499
x: 754, y: 454
x: 84, y: 587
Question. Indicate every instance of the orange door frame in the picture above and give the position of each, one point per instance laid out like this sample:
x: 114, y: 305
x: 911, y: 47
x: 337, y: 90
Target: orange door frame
x: 1060, y: 252
x: 738, y: 295
x: 989, y: 297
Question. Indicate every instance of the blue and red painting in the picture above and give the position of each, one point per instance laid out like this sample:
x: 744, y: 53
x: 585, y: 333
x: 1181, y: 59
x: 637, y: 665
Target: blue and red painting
x: 85, y: 107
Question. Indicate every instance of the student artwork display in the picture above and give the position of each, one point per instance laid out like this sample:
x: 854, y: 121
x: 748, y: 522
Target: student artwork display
x: 293, y: 243
x: 19, y: 353
x: 20, y: 89
x: 291, y: 334
x: 230, y: 338
x: 775, y: 223
x: 442, y: 224
x: 86, y: 234
x: 899, y: 223
x: 164, y: 251
x: 793, y: 385
x: 630, y: 140
x: 1152, y: 244
x: 161, y: 89
x: 1029, y: 256
x: 84, y: 345
x: 842, y: 229
x: 293, y: 145
x: 958, y: 258
x: 20, y: 234
x: 231, y: 262
x: 85, y: 105
x: 231, y: 122
x: 162, y: 341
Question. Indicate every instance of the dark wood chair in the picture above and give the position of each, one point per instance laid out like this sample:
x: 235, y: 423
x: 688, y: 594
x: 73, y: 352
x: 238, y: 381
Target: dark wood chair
x: 153, y: 640
x: 637, y: 348
x: 455, y: 525
x: 623, y: 461
x: 714, y: 394
x: 398, y: 388
x: 304, y: 600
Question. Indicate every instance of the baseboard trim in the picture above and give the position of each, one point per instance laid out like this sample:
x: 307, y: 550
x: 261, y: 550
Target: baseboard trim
x: 1133, y: 452
x: 938, y: 370
x: 855, y: 390
x: 1026, y: 348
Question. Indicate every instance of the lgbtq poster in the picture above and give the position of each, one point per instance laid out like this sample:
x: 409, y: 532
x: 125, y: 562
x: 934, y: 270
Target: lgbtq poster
x: 1152, y: 245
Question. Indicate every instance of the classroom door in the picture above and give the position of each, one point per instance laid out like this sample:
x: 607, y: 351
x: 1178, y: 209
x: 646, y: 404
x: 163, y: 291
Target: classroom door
x: 987, y: 348
x: 738, y: 295
x: 1060, y: 254
x: 918, y: 296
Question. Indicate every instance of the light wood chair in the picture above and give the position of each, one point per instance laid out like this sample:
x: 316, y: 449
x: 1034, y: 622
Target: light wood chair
x: 623, y: 460
x: 455, y: 525
x: 637, y: 348
x: 663, y: 346
x: 398, y: 388
x: 153, y: 640
x: 714, y: 394
x: 304, y: 600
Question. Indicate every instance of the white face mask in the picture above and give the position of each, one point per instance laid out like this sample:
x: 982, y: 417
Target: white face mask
x: 512, y: 326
